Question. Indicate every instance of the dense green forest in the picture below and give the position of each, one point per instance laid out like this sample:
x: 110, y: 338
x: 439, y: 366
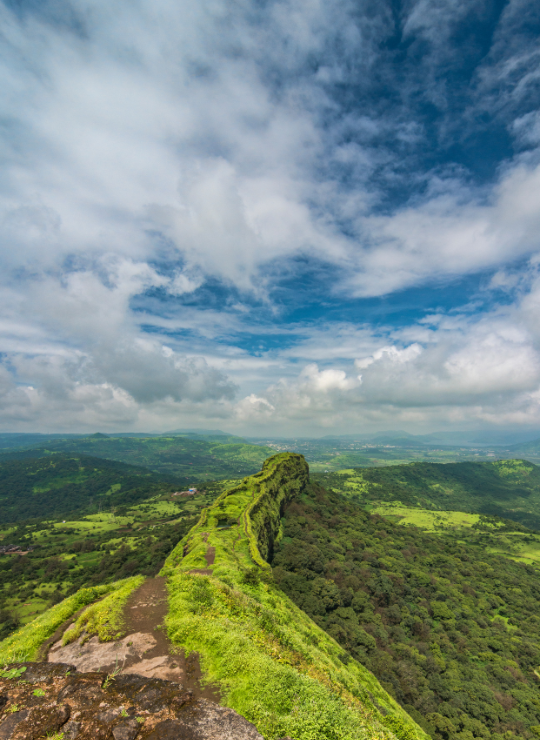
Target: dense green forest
x: 183, y: 456
x: 509, y: 489
x: 62, y: 485
x: 452, y: 632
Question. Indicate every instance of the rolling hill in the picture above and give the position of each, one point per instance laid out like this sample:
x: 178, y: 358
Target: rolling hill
x: 186, y: 455
x: 62, y: 485
x: 509, y: 489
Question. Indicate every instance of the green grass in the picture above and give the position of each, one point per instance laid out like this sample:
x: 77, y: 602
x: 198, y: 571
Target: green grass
x: 105, y: 618
x: 274, y: 665
x: 428, y: 520
x: 24, y: 644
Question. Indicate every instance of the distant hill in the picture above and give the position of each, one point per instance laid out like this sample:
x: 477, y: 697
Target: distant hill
x: 191, y: 457
x: 509, y: 489
x: 527, y: 449
x: 61, y: 485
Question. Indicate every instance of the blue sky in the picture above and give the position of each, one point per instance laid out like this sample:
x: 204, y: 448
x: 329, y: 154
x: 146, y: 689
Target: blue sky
x: 279, y: 217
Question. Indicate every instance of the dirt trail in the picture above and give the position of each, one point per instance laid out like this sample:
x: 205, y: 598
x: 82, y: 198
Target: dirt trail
x: 145, y: 650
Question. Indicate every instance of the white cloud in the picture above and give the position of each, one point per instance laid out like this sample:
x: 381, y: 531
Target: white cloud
x: 151, y: 148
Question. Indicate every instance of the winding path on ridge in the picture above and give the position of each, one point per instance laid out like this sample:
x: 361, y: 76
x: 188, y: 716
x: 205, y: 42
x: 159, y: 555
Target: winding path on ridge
x: 145, y: 650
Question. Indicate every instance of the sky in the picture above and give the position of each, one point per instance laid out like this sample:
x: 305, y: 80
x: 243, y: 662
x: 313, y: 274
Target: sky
x: 273, y: 217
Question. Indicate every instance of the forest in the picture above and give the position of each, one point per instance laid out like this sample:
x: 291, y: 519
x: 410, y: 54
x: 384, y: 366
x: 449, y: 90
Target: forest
x: 451, y: 631
x: 60, y: 485
x: 504, y: 488
x: 197, y: 457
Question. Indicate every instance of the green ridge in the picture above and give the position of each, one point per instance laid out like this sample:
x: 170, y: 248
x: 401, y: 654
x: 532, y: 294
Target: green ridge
x: 274, y: 665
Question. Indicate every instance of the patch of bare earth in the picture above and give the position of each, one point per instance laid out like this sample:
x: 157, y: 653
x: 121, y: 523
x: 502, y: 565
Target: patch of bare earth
x: 144, y: 651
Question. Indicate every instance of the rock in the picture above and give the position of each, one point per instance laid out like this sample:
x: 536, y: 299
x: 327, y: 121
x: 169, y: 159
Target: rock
x: 94, y: 655
x: 205, y: 720
x: 10, y: 725
x: 44, y: 672
x: 126, y: 730
x: 108, y: 716
x: 171, y: 729
x: 71, y: 730
x: 78, y: 707
x: 43, y: 720
x: 83, y: 689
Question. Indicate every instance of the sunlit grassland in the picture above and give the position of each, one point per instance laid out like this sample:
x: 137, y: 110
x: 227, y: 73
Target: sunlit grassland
x: 105, y: 618
x: 426, y: 519
x: 523, y: 548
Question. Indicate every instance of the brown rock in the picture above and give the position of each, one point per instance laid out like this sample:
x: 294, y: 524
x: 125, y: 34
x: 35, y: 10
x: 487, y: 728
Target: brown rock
x: 81, y: 689
x: 108, y: 715
x: 43, y: 720
x: 71, y: 730
x: 11, y: 724
x: 126, y: 730
x: 205, y: 720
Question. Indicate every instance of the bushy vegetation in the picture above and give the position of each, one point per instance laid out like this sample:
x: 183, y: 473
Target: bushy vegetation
x: 60, y: 485
x: 273, y: 664
x: 451, y: 631
x: 506, y: 488
x: 25, y: 643
x: 105, y: 619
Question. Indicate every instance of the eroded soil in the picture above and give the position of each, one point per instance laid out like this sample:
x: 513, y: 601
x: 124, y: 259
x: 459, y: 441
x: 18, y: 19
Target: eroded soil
x: 145, y: 650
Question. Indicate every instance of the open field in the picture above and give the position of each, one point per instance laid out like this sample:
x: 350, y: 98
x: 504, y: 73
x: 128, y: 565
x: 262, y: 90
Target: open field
x: 428, y: 520
x: 487, y: 533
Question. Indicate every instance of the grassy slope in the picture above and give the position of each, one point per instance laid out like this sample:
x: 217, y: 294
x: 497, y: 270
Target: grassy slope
x: 103, y: 619
x: 274, y: 665
x: 195, y: 458
x: 507, y: 488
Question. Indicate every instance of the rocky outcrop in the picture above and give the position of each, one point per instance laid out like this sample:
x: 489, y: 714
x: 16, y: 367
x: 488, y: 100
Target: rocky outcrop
x: 47, y: 698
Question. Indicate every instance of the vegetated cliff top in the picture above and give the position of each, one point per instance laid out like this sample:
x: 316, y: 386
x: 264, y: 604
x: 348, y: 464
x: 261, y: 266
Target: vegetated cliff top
x: 275, y: 666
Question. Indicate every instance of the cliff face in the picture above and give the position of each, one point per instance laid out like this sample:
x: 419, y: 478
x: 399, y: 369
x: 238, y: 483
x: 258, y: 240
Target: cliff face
x: 241, y: 527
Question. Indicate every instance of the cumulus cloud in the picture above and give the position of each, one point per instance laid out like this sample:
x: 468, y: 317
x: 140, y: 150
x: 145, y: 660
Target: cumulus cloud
x: 157, y: 151
x: 462, y: 369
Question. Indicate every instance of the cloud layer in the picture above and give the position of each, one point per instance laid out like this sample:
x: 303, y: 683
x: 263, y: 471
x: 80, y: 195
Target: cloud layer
x: 184, y: 184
